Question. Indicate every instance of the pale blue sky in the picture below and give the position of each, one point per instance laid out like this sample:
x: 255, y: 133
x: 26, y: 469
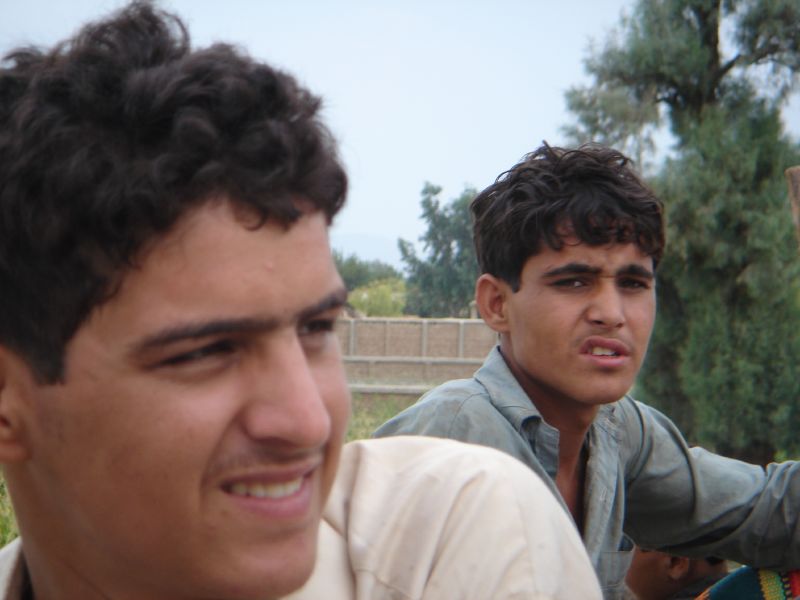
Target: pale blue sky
x: 450, y: 91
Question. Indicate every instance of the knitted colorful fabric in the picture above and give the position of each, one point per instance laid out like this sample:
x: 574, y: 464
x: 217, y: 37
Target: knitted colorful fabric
x: 755, y: 584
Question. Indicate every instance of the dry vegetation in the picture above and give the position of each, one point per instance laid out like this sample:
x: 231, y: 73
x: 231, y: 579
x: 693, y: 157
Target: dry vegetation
x: 371, y: 411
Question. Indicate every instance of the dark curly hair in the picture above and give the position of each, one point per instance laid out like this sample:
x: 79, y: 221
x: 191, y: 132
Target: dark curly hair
x: 590, y: 192
x: 107, y: 139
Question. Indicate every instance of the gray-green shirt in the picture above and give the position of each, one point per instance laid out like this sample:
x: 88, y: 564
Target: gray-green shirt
x: 643, y: 482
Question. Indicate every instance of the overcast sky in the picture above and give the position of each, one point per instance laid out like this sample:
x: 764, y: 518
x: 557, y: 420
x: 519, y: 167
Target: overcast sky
x: 447, y: 91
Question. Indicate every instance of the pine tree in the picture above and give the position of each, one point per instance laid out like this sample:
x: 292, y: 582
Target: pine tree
x: 725, y: 350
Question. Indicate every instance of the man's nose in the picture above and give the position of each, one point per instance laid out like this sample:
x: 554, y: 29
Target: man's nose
x: 283, y: 402
x: 606, y: 307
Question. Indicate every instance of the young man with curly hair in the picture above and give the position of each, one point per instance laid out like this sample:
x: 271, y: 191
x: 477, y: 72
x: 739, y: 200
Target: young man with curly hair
x: 568, y: 242
x: 172, y: 397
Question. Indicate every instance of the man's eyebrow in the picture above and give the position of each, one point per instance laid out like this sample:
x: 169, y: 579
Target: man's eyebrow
x: 574, y: 268
x: 636, y: 271
x: 336, y: 299
x: 192, y: 331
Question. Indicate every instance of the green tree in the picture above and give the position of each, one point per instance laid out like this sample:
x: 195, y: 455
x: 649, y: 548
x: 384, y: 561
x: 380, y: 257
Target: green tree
x: 725, y: 347
x: 667, y: 58
x: 442, y: 284
x: 357, y: 272
x: 380, y: 298
x: 610, y: 116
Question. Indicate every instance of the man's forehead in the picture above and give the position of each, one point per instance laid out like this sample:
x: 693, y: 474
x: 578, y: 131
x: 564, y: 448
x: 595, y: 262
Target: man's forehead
x: 579, y: 255
x: 213, y: 259
x: 196, y: 227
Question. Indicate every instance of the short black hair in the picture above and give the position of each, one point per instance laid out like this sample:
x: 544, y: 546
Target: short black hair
x: 590, y: 192
x: 108, y: 138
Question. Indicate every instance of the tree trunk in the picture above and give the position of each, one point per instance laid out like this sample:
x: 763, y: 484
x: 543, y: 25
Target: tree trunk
x: 793, y: 181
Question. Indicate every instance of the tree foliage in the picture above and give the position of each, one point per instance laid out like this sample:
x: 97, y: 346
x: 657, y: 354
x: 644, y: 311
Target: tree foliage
x: 442, y: 283
x: 380, y: 298
x: 357, y: 272
x: 725, y: 348
x: 733, y: 260
x: 667, y: 57
x: 610, y: 116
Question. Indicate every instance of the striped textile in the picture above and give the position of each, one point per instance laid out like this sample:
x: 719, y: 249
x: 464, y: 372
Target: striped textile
x: 748, y: 583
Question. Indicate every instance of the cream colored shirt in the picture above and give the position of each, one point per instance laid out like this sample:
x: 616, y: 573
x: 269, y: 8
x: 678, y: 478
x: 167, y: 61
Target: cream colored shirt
x: 12, y: 571
x: 414, y: 517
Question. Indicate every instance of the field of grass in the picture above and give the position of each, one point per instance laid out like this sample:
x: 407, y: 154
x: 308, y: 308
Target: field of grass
x: 368, y: 413
x: 371, y: 411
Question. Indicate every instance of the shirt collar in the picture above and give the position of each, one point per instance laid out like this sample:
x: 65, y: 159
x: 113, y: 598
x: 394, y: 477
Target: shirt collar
x: 13, y: 574
x: 505, y: 391
x: 510, y: 399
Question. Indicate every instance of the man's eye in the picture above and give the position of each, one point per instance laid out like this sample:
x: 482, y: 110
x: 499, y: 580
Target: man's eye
x: 570, y: 283
x: 635, y: 284
x: 317, y: 326
x: 215, y: 349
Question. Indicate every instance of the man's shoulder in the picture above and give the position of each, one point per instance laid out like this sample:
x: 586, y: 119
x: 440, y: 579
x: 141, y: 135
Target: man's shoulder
x: 432, y: 470
x: 626, y: 415
x: 636, y: 422
x: 428, y: 455
x: 455, y: 395
x: 436, y: 474
x: 448, y: 410
x: 446, y: 501
x: 429, y: 466
x: 456, y: 389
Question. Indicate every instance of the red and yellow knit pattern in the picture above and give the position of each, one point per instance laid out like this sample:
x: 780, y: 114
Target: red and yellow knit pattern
x: 755, y: 584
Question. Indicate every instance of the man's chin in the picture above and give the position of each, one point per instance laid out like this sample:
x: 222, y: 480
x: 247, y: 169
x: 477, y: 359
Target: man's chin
x: 600, y: 398
x: 608, y: 391
x: 273, y: 571
x: 276, y: 583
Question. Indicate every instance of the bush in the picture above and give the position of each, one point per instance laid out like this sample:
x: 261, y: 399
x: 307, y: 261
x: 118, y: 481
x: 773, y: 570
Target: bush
x: 8, y: 526
x: 381, y: 298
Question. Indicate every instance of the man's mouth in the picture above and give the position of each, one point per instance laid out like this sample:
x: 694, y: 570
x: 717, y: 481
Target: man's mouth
x: 600, y: 351
x: 605, y: 347
x: 267, y: 490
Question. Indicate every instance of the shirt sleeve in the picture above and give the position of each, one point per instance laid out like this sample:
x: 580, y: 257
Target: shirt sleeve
x: 693, y: 502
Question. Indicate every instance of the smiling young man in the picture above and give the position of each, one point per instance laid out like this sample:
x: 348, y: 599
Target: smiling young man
x: 172, y: 396
x: 568, y: 242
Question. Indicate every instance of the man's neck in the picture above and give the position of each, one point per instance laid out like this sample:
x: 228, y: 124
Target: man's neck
x: 571, y: 474
x: 573, y: 427
x: 572, y: 419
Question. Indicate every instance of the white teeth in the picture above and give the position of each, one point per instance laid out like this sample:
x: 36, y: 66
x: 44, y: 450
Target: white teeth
x: 598, y: 351
x: 267, y: 490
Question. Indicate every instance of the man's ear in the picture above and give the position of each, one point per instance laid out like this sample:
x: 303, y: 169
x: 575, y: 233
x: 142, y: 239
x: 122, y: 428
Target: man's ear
x: 678, y: 567
x: 13, y: 443
x: 491, y: 296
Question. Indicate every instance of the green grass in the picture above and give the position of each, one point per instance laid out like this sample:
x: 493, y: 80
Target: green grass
x: 8, y: 527
x: 368, y: 413
x: 371, y: 411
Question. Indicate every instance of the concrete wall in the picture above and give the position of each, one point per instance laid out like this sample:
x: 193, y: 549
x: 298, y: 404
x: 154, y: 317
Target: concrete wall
x: 411, y: 355
x: 440, y: 338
